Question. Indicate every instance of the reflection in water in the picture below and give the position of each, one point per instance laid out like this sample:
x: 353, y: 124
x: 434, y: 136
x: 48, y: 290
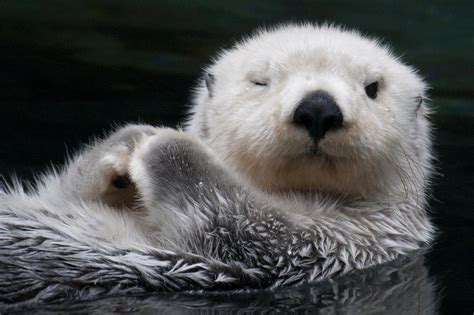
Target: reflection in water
x: 401, y: 287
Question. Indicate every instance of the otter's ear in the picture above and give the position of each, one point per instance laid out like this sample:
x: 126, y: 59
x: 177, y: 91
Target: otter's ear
x: 209, y: 79
x: 419, y: 101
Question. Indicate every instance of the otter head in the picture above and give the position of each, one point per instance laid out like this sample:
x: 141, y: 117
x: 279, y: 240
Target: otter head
x: 316, y: 108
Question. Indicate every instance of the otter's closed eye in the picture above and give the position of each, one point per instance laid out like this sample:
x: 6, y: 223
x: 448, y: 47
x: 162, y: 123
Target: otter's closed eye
x: 259, y: 83
x: 372, y: 89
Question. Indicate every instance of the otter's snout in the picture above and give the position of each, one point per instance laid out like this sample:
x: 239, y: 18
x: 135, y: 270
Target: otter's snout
x: 318, y: 113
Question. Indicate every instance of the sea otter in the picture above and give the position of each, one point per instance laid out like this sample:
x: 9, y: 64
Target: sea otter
x: 306, y: 155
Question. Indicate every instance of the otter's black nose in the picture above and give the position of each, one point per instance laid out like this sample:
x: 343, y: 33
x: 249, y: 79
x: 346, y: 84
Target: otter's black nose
x: 318, y: 113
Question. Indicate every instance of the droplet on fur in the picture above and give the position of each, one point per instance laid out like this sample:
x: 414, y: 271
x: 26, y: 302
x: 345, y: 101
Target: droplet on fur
x: 201, y: 184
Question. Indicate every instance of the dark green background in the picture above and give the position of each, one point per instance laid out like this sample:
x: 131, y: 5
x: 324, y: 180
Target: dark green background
x: 71, y: 69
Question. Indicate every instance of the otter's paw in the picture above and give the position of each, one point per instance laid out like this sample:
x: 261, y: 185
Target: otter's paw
x: 171, y: 163
x: 114, y: 155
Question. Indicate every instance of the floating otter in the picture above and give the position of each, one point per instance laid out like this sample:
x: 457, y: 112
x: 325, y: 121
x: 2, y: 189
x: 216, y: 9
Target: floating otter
x: 307, y: 155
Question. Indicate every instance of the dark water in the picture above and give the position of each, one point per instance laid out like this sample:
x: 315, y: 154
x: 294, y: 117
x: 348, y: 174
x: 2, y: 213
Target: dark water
x: 72, y: 69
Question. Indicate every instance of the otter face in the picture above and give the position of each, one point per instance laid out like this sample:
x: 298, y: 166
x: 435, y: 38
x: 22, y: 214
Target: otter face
x: 306, y: 107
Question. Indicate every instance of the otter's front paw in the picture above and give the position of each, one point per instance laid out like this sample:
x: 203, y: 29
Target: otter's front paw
x: 171, y: 163
x: 111, y: 169
x: 118, y: 149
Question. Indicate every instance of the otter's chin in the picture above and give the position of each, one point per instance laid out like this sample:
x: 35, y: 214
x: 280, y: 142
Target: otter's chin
x: 312, y: 171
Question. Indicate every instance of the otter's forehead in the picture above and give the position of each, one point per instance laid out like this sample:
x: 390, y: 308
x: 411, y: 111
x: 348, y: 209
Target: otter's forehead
x: 308, y: 48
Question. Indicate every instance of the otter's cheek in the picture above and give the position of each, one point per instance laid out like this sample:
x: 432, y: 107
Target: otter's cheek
x: 357, y: 141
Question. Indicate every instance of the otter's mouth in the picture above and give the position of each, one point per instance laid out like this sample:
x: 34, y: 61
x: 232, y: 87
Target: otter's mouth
x: 315, y: 152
